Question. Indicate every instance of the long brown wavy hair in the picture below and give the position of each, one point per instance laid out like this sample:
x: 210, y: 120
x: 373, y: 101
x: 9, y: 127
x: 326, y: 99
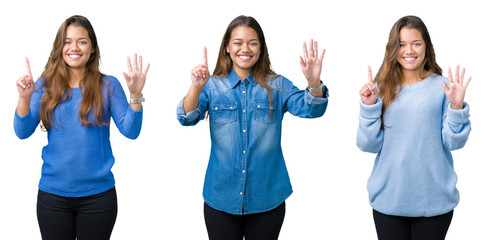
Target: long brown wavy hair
x: 389, y: 76
x: 56, y: 77
x: 262, y: 71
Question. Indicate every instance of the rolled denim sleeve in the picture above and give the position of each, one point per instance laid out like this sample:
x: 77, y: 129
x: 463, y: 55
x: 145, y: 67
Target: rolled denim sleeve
x: 302, y: 103
x: 193, y: 117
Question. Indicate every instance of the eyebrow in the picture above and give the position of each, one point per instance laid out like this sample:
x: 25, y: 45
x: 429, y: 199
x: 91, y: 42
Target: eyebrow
x: 240, y: 39
x: 417, y: 40
x: 83, y: 38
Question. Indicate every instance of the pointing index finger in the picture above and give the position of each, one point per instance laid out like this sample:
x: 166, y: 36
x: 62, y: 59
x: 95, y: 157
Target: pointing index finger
x: 370, y: 75
x: 204, y: 58
x: 27, y: 66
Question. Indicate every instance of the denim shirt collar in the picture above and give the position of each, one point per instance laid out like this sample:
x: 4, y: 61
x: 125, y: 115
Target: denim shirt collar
x: 234, y: 78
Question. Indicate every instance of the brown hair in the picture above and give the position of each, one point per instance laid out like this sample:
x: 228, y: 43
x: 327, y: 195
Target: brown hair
x: 389, y: 76
x: 262, y: 68
x: 56, y: 77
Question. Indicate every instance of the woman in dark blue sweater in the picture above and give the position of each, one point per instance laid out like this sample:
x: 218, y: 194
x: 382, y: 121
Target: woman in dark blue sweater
x: 74, y: 102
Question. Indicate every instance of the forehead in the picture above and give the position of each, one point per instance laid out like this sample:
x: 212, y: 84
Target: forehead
x: 244, y: 33
x: 410, y: 34
x: 74, y: 31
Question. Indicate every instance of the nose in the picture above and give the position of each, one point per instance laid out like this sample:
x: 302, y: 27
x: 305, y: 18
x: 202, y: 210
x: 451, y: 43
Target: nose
x: 409, y: 49
x: 245, y: 48
x: 75, y: 46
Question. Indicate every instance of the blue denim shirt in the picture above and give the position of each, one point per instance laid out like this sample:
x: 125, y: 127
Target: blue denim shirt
x: 247, y: 172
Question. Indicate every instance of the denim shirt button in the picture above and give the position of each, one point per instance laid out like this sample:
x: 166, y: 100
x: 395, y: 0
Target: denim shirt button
x: 244, y: 171
x: 240, y: 193
x: 244, y: 151
x: 244, y: 130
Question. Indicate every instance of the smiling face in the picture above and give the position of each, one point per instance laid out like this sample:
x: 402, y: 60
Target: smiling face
x: 77, y: 47
x: 412, y: 49
x: 244, y: 49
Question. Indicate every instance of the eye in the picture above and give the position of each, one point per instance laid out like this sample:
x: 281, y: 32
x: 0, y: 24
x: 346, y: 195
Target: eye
x: 253, y: 44
x: 417, y: 44
x: 83, y: 42
x: 237, y: 43
x: 67, y: 42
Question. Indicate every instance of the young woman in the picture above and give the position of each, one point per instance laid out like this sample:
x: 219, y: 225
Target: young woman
x: 74, y: 102
x: 413, y: 119
x: 247, y: 182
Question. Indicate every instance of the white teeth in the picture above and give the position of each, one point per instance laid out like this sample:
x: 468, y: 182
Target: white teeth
x: 244, y: 57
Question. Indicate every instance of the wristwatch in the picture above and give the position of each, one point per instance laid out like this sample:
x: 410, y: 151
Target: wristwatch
x: 137, y: 100
x: 319, y: 88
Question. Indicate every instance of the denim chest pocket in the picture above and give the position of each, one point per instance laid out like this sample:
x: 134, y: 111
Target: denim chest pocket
x: 224, y: 112
x: 262, y: 112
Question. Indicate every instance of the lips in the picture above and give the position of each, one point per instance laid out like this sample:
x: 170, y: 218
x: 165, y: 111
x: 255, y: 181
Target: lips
x: 409, y: 59
x: 74, y: 56
x: 244, y: 57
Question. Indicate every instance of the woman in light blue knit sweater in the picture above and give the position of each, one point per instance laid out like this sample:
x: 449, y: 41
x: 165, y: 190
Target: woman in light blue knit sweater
x: 412, y: 117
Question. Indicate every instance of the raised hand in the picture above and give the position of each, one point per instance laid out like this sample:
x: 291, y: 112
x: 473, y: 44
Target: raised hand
x: 200, y: 73
x: 136, y: 77
x: 456, y: 88
x: 311, y: 64
x: 25, y: 84
x: 368, y: 93
x: 200, y: 76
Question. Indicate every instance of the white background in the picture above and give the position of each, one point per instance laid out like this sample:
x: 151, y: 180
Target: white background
x: 159, y: 176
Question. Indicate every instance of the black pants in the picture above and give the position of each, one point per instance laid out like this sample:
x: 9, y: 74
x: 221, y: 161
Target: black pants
x: 84, y: 218
x: 412, y: 228
x: 225, y: 226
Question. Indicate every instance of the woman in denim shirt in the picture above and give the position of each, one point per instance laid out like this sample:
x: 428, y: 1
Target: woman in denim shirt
x: 246, y: 183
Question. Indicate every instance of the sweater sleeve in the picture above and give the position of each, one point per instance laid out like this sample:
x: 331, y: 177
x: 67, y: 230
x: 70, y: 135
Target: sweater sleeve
x: 369, y: 134
x: 456, y: 126
x: 25, y: 126
x: 126, y: 119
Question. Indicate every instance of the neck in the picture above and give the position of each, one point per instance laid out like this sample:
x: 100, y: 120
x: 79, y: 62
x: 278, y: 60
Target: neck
x: 76, y: 76
x: 412, y: 77
x: 242, y: 73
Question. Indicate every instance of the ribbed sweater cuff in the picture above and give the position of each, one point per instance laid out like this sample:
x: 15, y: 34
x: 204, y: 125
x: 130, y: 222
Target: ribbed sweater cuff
x: 371, y: 111
x: 459, y: 116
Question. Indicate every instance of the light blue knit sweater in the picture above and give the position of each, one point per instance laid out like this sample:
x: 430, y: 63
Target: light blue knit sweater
x: 413, y: 173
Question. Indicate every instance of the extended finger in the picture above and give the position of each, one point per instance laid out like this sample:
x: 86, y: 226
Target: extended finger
x: 312, y: 51
x: 450, y: 75
x: 445, y: 86
x: 127, y: 77
x: 305, y: 52
x: 135, y: 61
x: 467, y: 82
x: 302, y: 62
x: 323, y: 54
x: 204, y: 58
x: 141, y: 64
x: 27, y: 66
x: 146, y: 70
x: 369, y: 75
x: 128, y: 62
x: 462, y: 75
x: 457, y: 73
